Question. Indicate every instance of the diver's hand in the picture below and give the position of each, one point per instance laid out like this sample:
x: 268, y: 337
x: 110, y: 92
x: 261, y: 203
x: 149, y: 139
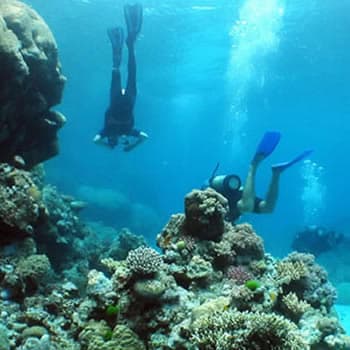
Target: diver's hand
x: 97, y: 138
x: 130, y: 146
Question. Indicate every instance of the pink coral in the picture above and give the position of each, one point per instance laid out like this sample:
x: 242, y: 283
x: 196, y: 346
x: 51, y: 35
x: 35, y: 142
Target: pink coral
x: 238, y: 274
x: 246, y: 243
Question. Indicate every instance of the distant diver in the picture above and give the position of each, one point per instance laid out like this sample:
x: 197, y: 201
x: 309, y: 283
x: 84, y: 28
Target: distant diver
x: 119, y: 117
x: 243, y: 199
x: 317, y: 240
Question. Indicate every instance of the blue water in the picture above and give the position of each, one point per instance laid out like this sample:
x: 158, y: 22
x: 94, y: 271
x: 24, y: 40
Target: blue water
x: 212, y: 77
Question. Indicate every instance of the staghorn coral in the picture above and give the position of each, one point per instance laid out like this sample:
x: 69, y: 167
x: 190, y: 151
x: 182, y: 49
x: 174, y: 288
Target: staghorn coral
x: 290, y: 271
x: 299, y: 273
x: 232, y: 329
x: 144, y: 261
x: 205, y: 212
x: 294, y: 307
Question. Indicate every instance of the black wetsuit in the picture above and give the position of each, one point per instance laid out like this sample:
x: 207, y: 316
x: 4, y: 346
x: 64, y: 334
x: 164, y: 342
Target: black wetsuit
x: 119, y: 116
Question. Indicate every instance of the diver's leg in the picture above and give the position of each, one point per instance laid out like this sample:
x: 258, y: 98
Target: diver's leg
x: 133, y: 19
x: 246, y: 203
x: 268, y: 205
x: 116, y: 37
x: 116, y: 88
x: 131, y: 90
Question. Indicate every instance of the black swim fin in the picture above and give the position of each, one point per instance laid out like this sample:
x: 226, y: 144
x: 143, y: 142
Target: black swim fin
x: 116, y: 36
x: 133, y: 19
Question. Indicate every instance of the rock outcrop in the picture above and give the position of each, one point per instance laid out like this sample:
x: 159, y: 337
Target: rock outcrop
x: 31, y: 83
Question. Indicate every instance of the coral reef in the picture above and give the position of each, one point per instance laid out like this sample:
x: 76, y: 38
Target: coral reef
x: 21, y: 205
x: 205, y: 212
x: 30, y: 84
x: 219, y: 293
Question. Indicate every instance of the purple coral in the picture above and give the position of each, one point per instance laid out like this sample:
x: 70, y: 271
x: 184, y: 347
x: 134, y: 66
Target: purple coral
x: 238, y: 274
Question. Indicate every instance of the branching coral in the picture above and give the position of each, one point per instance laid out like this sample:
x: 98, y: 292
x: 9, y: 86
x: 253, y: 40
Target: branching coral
x: 289, y: 271
x: 293, y: 306
x: 232, y: 329
x: 144, y: 261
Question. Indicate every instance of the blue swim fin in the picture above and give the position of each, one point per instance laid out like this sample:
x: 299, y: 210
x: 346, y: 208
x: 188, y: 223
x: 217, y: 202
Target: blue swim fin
x: 267, y: 144
x: 116, y: 36
x: 133, y: 19
x: 284, y: 165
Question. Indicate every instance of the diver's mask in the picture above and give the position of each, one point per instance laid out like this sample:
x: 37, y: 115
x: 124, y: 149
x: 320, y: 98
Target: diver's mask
x: 225, y: 183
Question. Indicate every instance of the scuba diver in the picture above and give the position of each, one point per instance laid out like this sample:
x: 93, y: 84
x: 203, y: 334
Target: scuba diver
x: 119, y: 116
x: 317, y: 240
x: 243, y: 199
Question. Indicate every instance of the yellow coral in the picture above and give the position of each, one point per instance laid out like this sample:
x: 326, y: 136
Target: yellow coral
x: 289, y: 271
x: 34, y: 192
x: 294, y: 305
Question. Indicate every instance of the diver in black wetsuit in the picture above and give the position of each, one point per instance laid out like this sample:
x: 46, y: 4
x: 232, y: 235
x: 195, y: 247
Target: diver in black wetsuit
x: 119, y: 117
x: 317, y: 240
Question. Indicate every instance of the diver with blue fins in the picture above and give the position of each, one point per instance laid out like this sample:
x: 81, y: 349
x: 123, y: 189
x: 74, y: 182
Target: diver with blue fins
x: 243, y: 199
x: 119, y: 116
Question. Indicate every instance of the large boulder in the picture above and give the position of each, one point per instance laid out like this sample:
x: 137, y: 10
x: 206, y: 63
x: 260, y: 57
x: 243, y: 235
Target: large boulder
x: 30, y: 84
